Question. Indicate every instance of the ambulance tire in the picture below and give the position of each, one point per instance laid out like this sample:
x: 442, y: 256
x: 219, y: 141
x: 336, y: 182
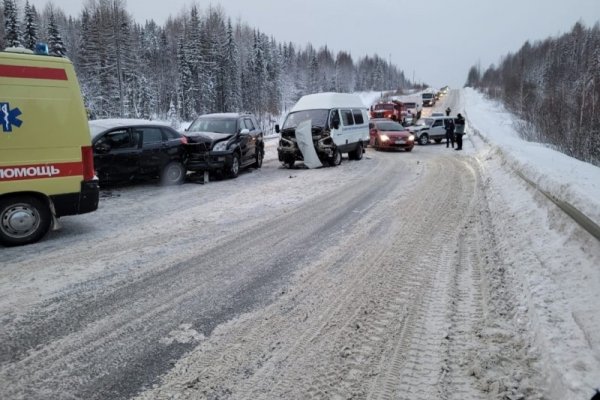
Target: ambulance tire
x: 173, y: 174
x: 23, y: 220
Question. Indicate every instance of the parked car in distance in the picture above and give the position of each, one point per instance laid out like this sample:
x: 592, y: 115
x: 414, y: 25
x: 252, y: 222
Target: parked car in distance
x: 437, y: 114
x: 387, y: 135
x: 224, y: 143
x: 428, y: 99
x: 132, y: 149
x: 432, y: 128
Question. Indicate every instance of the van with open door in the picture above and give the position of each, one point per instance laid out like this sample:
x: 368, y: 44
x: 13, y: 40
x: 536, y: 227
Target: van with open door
x: 46, y: 159
x: 339, y: 124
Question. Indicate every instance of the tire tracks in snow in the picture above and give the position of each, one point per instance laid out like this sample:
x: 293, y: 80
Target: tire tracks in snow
x: 364, y: 323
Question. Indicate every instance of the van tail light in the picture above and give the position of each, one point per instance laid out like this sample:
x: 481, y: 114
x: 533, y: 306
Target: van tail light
x: 87, y: 157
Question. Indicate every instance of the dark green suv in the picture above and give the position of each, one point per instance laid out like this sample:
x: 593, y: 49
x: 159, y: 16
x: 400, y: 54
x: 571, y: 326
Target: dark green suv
x: 225, y: 143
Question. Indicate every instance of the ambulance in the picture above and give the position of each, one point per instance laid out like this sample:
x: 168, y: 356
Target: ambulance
x: 46, y: 158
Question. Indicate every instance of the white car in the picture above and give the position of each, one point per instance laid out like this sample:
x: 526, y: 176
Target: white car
x: 431, y: 128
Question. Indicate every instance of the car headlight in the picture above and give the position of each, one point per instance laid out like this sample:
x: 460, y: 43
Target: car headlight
x: 411, y: 138
x: 384, y: 138
x: 220, y: 146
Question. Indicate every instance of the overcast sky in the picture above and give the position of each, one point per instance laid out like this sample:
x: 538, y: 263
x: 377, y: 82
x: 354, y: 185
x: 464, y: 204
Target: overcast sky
x: 434, y: 41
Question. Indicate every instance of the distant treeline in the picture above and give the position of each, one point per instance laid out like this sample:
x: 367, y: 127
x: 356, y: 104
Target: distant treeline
x: 196, y: 63
x: 554, y: 87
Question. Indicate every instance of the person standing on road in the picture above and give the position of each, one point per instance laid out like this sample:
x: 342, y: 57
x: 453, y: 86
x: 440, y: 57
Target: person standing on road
x: 448, y: 110
x: 449, y: 126
x: 459, y: 130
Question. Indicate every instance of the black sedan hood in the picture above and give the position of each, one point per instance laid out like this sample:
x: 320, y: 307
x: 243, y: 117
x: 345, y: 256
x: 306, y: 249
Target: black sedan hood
x: 207, y: 137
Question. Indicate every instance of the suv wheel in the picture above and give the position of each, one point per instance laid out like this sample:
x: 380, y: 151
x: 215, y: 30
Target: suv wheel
x: 424, y: 139
x: 234, y: 168
x: 173, y: 174
x: 260, y: 154
x: 23, y: 220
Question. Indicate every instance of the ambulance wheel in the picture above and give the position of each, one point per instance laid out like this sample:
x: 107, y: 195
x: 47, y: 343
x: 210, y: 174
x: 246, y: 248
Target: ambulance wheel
x: 23, y: 220
x: 173, y: 174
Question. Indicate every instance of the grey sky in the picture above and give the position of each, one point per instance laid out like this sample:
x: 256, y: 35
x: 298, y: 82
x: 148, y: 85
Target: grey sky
x: 436, y: 41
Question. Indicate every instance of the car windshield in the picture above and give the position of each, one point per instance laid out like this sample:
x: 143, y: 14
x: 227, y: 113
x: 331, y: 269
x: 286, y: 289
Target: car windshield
x: 425, y: 121
x: 384, y: 106
x: 318, y: 117
x: 389, y: 126
x: 427, y: 95
x: 216, y: 125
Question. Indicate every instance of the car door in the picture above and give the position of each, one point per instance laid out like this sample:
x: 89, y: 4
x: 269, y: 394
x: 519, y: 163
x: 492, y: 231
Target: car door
x: 153, y: 153
x: 437, y: 129
x: 252, y: 140
x: 347, y: 129
x: 336, y: 133
x: 116, y: 155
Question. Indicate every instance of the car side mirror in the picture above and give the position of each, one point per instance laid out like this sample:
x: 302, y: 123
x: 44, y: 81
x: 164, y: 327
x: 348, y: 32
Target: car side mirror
x: 277, y: 130
x: 335, y: 124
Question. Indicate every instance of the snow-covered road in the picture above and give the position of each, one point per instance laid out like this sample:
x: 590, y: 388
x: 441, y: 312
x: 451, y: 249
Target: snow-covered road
x: 405, y: 275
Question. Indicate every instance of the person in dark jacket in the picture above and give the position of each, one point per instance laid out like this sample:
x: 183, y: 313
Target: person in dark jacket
x: 448, y: 110
x: 459, y: 130
x: 449, y: 125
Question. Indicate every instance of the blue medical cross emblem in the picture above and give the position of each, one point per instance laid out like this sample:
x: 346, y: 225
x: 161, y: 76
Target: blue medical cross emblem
x: 9, y: 117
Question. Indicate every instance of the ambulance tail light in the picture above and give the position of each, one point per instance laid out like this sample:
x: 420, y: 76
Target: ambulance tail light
x: 87, y: 157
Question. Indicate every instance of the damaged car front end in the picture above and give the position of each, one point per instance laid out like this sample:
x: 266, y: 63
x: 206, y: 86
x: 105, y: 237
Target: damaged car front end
x: 291, y: 147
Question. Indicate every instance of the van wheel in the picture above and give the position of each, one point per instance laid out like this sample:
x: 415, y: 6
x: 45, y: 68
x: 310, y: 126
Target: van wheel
x: 173, y: 174
x: 23, y: 220
x: 336, y: 159
x: 358, y: 152
x: 234, y: 168
x: 424, y: 139
x: 288, y: 163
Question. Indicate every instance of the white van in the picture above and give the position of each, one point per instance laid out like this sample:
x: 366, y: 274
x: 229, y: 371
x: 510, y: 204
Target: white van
x: 340, y: 124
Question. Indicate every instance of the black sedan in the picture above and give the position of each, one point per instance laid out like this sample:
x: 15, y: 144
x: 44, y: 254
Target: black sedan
x: 130, y: 149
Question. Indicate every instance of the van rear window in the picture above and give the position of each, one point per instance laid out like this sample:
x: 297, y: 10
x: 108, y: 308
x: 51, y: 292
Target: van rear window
x: 358, y: 117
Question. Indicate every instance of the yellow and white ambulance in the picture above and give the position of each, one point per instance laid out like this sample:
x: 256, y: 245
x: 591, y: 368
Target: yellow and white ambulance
x: 46, y: 159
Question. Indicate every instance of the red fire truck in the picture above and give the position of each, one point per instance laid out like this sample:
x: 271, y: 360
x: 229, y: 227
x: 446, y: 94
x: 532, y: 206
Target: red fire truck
x: 388, y: 109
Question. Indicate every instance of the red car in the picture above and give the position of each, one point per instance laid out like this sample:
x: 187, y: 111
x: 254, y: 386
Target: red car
x: 388, y: 134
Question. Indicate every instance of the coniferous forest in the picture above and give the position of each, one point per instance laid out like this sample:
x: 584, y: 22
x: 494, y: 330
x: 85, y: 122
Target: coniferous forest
x: 554, y: 88
x: 201, y: 61
x: 198, y: 62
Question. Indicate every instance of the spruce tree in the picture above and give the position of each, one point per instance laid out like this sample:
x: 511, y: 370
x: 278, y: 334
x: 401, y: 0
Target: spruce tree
x: 11, y: 26
x: 30, y: 35
x: 56, y: 46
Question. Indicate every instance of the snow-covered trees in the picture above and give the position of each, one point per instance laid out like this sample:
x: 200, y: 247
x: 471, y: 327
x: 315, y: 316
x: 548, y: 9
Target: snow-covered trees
x: 30, y: 33
x: 12, y: 36
x: 554, y: 86
x: 56, y: 46
x: 196, y: 63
